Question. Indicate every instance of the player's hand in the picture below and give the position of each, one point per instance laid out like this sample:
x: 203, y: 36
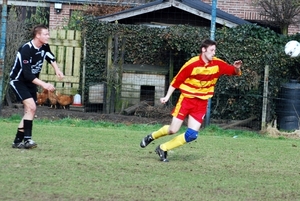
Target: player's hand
x: 60, y: 75
x: 238, y: 64
x: 164, y: 100
x: 49, y: 87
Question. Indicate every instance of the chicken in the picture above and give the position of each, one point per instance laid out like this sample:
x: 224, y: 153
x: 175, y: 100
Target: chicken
x: 42, y: 97
x: 64, y: 100
x: 52, y: 99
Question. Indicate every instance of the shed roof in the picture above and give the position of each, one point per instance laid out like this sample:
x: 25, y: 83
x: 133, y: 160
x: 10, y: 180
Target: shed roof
x: 195, y: 7
x: 145, y: 69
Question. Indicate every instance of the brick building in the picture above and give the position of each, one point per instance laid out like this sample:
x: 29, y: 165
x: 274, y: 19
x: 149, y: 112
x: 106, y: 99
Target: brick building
x: 60, y: 10
x: 247, y: 11
x: 243, y: 9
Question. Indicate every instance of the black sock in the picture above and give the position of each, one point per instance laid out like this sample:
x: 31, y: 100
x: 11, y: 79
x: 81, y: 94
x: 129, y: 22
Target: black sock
x: 19, y: 136
x: 27, y: 129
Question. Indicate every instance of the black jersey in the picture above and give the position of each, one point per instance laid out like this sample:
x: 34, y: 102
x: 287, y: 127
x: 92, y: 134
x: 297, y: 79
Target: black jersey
x: 29, y: 61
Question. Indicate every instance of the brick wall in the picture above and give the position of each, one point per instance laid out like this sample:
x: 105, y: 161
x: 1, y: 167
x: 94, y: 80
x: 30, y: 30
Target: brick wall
x: 245, y: 10
x: 58, y: 20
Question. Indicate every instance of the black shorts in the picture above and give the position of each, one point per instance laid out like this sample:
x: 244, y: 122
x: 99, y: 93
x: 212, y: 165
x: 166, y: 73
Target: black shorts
x: 23, y: 91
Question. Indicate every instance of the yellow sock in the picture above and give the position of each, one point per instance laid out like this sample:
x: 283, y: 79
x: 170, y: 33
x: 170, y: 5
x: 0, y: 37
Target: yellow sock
x: 175, y: 142
x: 161, y: 132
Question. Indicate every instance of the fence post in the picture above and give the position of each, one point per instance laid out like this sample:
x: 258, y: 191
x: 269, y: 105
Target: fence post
x: 265, y: 98
x: 171, y: 74
x: 2, y: 50
x: 109, y: 66
x: 83, y: 70
x: 119, y: 72
x: 212, y: 37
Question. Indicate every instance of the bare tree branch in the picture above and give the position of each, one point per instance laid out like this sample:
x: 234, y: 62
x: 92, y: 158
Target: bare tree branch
x: 282, y: 13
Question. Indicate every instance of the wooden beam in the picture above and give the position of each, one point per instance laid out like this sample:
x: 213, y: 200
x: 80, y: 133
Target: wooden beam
x: 265, y: 99
x: 239, y: 123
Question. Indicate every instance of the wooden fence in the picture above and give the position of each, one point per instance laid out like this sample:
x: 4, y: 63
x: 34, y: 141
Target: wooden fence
x: 66, y: 46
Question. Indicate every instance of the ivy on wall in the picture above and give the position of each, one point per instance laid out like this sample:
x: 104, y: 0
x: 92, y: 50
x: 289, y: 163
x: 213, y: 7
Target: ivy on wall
x: 236, y: 97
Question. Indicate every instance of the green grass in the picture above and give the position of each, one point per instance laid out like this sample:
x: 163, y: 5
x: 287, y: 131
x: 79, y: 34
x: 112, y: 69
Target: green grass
x: 86, y: 160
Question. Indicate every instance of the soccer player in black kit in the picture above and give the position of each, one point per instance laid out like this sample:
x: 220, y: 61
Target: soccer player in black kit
x: 24, y: 79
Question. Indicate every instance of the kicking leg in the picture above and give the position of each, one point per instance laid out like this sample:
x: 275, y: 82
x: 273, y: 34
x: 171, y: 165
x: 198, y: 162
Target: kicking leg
x: 163, y: 131
x: 191, y: 134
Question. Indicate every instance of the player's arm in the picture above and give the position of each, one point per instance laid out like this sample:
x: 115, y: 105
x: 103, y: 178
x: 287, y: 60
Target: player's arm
x: 43, y: 84
x: 168, y: 95
x: 227, y: 69
x: 50, y: 58
x: 181, y: 76
x: 58, y: 72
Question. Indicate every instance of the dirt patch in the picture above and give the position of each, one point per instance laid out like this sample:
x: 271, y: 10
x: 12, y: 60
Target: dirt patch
x: 143, y: 115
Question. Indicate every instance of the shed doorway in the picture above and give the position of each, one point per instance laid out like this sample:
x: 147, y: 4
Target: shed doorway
x: 147, y: 94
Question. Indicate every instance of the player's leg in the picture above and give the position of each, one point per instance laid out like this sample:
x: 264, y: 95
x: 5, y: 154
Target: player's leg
x: 28, y: 98
x: 163, y: 131
x: 29, y: 112
x: 167, y: 129
x: 21, y: 92
x: 196, y: 109
x: 190, y: 135
x: 179, y: 113
x: 155, y: 135
x: 18, y: 141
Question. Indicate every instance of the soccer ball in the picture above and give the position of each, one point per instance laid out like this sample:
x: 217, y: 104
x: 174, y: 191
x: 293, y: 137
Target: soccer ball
x: 292, y: 48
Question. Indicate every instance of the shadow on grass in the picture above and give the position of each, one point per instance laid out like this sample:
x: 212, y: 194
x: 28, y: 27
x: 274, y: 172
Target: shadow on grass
x: 151, y: 156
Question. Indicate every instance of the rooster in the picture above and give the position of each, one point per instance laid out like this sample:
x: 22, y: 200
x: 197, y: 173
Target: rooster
x: 64, y: 100
x: 52, y: 99
x: 42, y: 97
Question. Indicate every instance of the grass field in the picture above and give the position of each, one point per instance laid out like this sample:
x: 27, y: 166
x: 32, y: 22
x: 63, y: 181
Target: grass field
x: 84, y: 160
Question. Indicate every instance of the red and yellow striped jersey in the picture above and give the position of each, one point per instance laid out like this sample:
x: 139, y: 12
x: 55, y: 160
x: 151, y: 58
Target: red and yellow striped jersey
x: 197, y: 79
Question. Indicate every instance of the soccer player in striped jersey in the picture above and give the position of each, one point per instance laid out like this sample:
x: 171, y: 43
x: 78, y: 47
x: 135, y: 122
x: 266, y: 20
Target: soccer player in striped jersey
x: 196, y: 81
x: 24, y: 79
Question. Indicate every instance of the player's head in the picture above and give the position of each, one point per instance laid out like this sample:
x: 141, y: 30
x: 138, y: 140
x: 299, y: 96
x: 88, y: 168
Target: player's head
x: 208, y: 49
x: 38, y: 29
x: 41, y: 33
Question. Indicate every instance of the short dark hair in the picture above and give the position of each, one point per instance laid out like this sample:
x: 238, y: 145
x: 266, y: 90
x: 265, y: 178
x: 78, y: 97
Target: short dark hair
x: 37, y: 29
x: 206, y: 43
